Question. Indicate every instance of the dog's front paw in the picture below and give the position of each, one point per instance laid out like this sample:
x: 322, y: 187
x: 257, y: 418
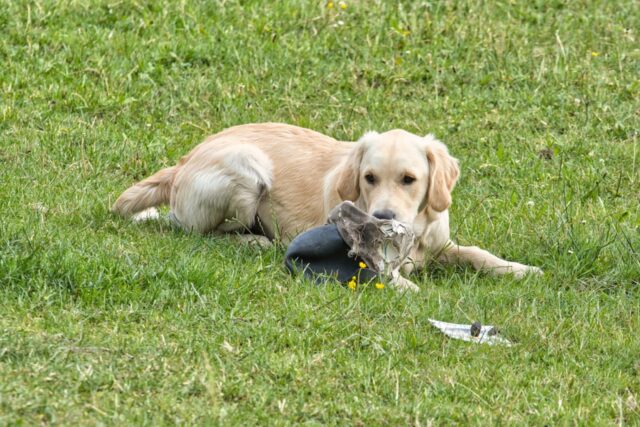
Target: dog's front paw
x: 402, y: 284
x: 521, y: 270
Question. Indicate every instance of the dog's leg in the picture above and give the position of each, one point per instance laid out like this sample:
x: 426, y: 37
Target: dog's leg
x: 485, y: 261
x: 223, y: 194
x: 402, y: 284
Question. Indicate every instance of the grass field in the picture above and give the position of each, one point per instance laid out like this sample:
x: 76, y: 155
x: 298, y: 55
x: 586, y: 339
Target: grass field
x: 107, y: 322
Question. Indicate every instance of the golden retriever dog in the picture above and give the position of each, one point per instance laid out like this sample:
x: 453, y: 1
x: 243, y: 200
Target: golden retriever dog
x: 286, y: 179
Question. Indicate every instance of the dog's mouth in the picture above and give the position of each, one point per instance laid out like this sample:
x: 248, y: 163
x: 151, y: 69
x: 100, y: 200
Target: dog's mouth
x: 396, y: 212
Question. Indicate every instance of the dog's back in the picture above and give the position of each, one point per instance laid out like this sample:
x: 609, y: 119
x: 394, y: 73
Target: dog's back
x: 273, y: 171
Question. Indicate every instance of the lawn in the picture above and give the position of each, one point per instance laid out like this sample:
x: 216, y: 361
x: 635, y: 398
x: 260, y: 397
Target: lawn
x: 103, y: 321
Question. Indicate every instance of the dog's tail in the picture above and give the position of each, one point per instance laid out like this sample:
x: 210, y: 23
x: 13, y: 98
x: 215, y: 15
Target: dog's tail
x: 153, y: 191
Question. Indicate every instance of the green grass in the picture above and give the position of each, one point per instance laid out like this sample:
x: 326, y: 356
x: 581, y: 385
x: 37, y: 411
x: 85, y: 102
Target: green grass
x: 108, y: 322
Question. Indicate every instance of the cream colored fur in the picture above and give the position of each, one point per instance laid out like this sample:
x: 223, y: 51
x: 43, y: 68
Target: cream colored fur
x: 290, y: 178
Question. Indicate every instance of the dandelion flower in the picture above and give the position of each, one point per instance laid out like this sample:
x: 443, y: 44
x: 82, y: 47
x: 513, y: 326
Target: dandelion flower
x: 594, y: 54
x: 362, y: 265
x: 379, y: 285
x: 352, y: 285
x: 330, y: 5
x: 342, y: 5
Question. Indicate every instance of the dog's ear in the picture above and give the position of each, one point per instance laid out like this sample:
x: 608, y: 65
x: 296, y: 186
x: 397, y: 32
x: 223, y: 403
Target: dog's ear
x: 443, y: 174
x: 348, y: 181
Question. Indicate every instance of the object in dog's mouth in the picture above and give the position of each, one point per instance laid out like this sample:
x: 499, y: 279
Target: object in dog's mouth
x: 351, y: 237
x: 476, y: 332
x: 383, y: 244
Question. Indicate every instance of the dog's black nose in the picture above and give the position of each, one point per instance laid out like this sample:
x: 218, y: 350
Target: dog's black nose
x: 385, y: 214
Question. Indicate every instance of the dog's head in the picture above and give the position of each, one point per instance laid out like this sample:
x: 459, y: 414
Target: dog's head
x: 398, y: 175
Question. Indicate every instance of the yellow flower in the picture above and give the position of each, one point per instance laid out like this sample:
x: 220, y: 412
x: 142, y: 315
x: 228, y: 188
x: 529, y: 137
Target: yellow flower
x: 352, y: 285
x: 362, y: 265
x: 342, y: 5
x: 330, y: 5
x: 594, y: 54
x: 353, y: 279
x: 379, y: 285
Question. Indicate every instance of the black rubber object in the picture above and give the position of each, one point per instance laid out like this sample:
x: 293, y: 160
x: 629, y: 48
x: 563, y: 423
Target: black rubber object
x: 321, y: 253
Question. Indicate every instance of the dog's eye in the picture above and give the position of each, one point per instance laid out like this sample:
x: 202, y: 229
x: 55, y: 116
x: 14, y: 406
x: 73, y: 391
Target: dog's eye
x: 370, y: 178
x: 407, y: 180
